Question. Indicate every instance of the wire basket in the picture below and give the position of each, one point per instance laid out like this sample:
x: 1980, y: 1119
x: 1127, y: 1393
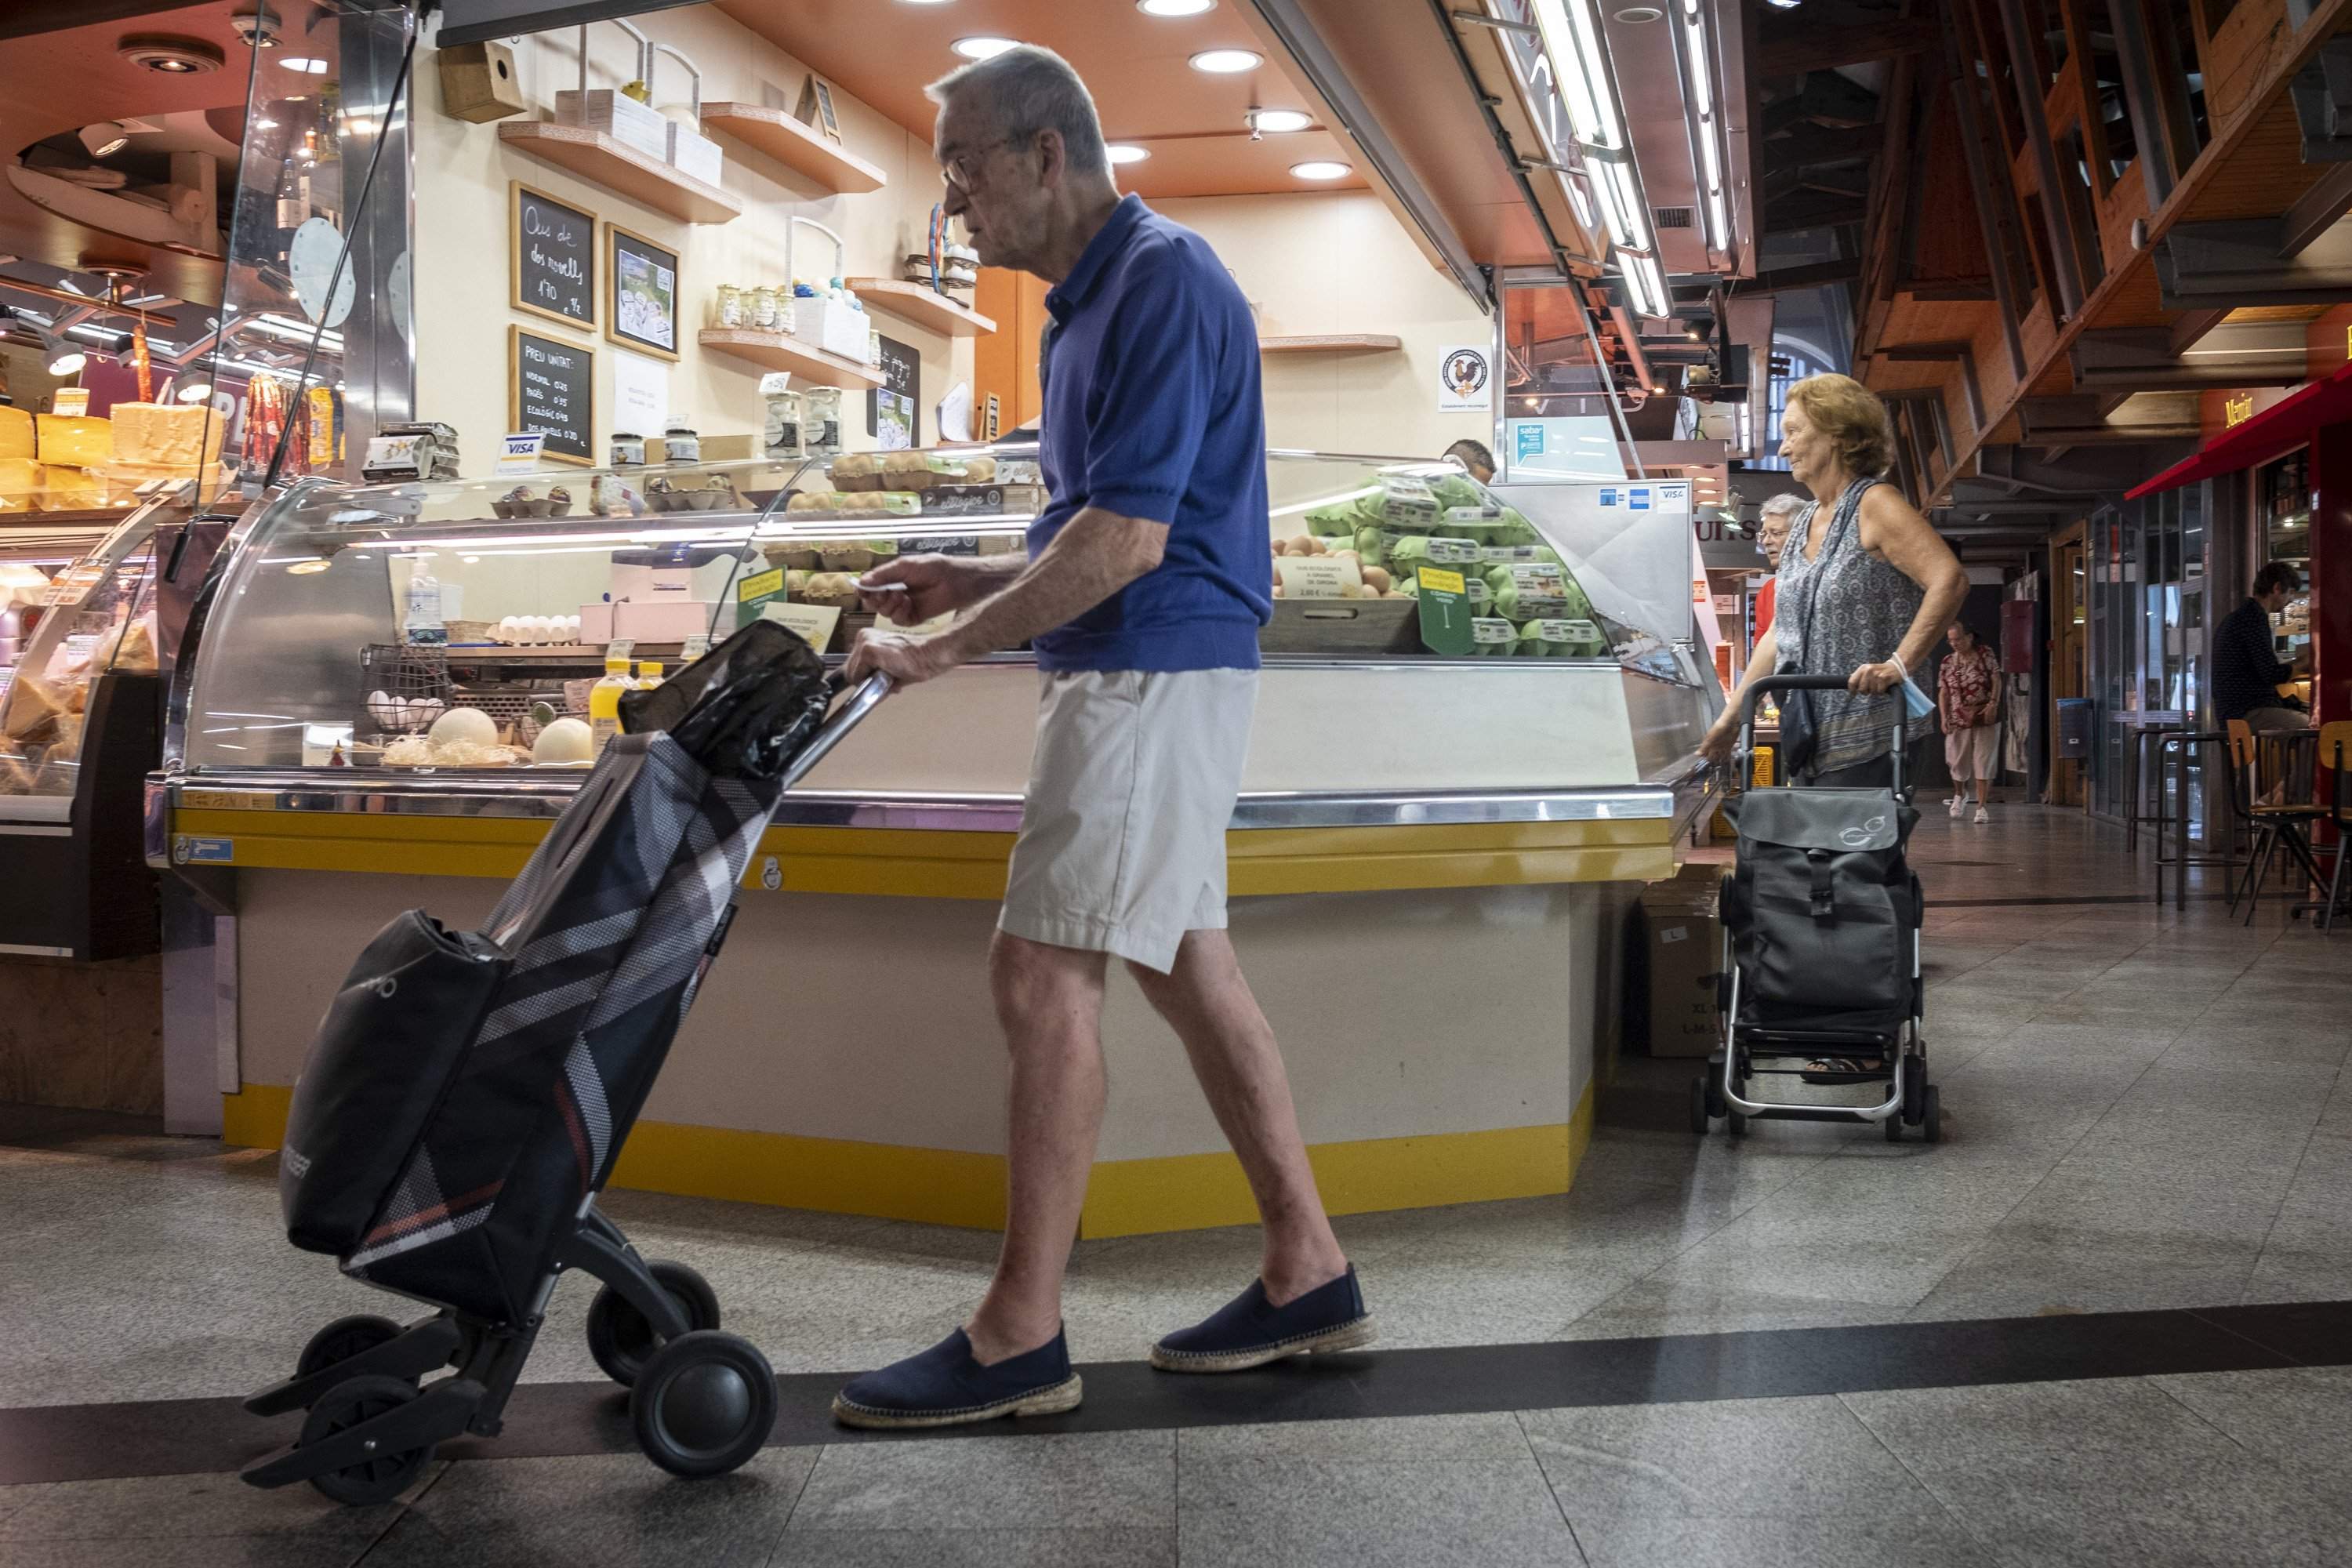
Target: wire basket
x: 408, y: 687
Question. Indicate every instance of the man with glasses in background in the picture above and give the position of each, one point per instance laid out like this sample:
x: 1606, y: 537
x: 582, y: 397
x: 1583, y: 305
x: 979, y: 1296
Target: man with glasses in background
x: 1146, y: 581
x: 1773, y: 520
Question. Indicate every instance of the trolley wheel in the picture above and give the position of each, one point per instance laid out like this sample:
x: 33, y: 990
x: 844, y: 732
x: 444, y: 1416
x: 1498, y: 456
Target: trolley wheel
x: 621, y: 1339
x: 343, y: 1339
x: 1736, y: 1123
x: 1893, y: 1125
x: 1931, y: 1119
x: 345, y: 1405
x: 1698, y: 1110
x: 1914, y: 1089
x: 704, y: 1403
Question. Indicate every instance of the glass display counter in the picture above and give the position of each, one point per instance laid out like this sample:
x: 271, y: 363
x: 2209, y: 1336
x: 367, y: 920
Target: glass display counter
x: 382, y: 705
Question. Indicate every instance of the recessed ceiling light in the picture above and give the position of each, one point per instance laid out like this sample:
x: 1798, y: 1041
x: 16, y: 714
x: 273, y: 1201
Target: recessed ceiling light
x: 1278, y: 121
x: 172, y: 56
x: 984, y: 48
x: 1174, y: 7
x: 1322, y: 169
x: 1228, y: 62
x: 305, y: 64
x: 1637, y: 14
x: 1128, y: 152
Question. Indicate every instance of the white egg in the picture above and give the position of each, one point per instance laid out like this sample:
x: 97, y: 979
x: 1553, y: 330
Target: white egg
x: 423, y: 710
x: 536, y: 626
x: 565, y: 740
x: 509, y: 629
x: 468, y: 724
x: 384, y: 709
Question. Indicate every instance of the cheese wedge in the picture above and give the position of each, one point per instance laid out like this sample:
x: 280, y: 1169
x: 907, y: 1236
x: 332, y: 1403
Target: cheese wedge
x: 69, y: 490
x: 165, y: 435
x: 72, y: 441
x: 20, y: 484
x: 15, y: 433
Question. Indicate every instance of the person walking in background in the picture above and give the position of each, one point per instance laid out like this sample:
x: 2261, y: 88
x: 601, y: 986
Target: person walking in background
x: 1870, y: 585
x: 2247, y: 671
x: 1474, y: 458
x: 1143, y: 589
x: 1774, y: 520
x: 1967, y: 701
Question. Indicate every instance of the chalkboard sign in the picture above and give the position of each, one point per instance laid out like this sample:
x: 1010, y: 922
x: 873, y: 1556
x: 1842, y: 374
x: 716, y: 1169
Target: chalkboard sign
x: 894, y: 413
x: 552, y: 388
x: 552, y: 251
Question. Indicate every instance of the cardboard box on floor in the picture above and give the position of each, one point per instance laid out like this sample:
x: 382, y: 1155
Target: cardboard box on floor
x: 1680, y: 944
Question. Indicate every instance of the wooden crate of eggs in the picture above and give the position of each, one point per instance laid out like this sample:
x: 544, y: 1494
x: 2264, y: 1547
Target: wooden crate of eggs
x: 1329, y: 601
x: 1332, y: 581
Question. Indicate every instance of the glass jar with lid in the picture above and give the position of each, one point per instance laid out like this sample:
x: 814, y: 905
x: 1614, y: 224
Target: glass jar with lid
x: 787, y: 415
x: 821, y: 427
x: 727, y: 308
x: 764, y: 309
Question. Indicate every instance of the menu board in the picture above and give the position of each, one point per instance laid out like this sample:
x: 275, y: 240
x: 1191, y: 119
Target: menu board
x: 552, y: 389
x: 551, y: 256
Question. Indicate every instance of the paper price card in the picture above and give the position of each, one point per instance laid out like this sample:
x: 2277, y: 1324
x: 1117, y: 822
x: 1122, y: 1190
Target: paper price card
x: 1445, y: 611
x: 812, y: 624
x: 1319, y: 576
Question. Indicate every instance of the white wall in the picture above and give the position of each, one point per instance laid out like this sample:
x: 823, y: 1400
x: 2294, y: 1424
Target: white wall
x: 460, y: 263
x: 1336, y: 262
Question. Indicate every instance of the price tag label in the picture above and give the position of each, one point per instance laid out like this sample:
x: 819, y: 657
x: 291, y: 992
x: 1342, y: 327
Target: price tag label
x: 621, y: 648
x: 812, y: 624
x: 695, y: 646
x: 1319, y: 576
x: 1445, y: 611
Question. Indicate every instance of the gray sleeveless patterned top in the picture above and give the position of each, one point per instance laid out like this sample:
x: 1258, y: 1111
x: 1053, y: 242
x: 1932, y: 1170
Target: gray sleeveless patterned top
x: 1844, y: 608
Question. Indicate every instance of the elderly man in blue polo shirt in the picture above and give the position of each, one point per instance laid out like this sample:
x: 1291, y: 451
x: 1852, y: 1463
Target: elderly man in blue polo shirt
x: 1146, y: 582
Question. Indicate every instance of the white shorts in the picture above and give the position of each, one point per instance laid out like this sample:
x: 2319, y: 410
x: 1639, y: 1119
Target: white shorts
x: 1973, y: 753
x: 1122, y: 845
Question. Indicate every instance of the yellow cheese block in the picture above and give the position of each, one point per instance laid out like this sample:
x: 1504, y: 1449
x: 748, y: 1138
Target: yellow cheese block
x: 163, y: 435
x: 20, y: 482
x: 72, y: 441
x: 69, y: 490
x: 15, y: 433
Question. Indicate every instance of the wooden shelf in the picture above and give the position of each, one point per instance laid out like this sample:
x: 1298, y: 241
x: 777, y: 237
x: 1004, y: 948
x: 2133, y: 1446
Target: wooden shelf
x: 781, y: 351
x: 794, y: 145
x: 921, y: 304
x: 596, y: 156
x: 1332, y: 343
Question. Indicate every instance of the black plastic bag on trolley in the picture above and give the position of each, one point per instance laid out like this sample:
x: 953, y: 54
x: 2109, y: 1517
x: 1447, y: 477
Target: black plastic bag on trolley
x: 468, y: 1089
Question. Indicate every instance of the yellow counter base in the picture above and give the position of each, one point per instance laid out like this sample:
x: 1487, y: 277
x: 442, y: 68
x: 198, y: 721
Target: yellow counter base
x: 1124, y: 1197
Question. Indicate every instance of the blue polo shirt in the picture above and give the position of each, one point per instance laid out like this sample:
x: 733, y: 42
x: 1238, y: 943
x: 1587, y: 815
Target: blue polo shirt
x: 1152, y: 410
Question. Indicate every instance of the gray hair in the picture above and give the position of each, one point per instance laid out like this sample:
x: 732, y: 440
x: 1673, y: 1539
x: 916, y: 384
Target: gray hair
x: 1028, y: 89
x: 1788, y: 503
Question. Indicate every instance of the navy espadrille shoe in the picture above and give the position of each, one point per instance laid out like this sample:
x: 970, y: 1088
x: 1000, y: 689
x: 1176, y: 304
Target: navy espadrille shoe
x: 1247, y: 1332
x: 945, y: 1386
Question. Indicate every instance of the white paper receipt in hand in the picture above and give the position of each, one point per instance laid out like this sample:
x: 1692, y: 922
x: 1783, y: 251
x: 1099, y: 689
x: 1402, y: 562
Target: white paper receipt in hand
x: 866, y: 587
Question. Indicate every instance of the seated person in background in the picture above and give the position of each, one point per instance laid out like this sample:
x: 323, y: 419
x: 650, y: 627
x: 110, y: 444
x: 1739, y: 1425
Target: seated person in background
x: 1475, y: 457
x: 2246, y: 670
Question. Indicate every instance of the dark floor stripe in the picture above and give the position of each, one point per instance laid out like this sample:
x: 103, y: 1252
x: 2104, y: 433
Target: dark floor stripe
x: 1936, y: 903
x: 90, y: 1442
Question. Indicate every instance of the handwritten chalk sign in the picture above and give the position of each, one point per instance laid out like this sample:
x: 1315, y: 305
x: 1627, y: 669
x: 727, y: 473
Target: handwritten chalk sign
x: 551, y: 256
x: 552, y: 390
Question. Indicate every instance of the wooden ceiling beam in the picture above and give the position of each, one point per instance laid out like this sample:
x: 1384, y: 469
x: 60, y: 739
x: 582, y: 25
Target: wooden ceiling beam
x: 1791, y: 47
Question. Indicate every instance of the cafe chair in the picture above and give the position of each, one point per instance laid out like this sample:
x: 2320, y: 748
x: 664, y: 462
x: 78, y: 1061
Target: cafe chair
x: 2336, y: 756
x: 2270, y: 826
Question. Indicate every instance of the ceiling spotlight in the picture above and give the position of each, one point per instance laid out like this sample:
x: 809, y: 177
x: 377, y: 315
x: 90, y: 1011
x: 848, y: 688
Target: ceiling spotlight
x: 304, y: 65
x: 124, y: 342
x: 172, y: 56
x: 1127, y: 152
x: 984, y: 48
x: 59, y: 357
x: 195, y: 391
x: 105, y: 139
x: 258, y: 27
x: 1322, y: 169
x: 1276, y: 122
x: 1174, y: 7
x: 1657, y: 392
x: 1228, y: 62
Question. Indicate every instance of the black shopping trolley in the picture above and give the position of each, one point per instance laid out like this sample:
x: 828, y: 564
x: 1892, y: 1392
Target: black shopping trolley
x: 468, y: 1093
x: 1822, y: 962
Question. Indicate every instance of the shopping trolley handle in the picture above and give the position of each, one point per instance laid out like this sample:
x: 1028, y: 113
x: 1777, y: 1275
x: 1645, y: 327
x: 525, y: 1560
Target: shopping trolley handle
x: 861, y: 700
x: 1756, y: 689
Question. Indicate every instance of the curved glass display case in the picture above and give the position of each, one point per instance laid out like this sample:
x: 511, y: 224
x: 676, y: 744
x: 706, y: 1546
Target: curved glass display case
x: 447, y: 628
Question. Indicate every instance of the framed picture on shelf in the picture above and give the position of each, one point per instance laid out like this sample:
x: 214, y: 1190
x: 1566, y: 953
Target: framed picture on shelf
x: 551, y: 257
x: 643, y: 311
x: 815, y: 109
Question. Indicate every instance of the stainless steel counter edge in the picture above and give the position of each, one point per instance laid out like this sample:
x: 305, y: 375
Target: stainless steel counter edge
x: 545, y: 799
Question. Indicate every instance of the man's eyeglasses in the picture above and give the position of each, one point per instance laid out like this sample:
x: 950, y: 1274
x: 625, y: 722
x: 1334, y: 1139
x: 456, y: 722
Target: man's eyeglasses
x: 959, y: 169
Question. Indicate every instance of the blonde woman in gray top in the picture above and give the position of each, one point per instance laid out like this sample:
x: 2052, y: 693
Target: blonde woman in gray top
x: 1866, y: 587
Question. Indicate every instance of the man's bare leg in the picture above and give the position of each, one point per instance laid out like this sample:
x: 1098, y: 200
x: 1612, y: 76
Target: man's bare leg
x: 1233, y: 1054
x: 1049, y: 1001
